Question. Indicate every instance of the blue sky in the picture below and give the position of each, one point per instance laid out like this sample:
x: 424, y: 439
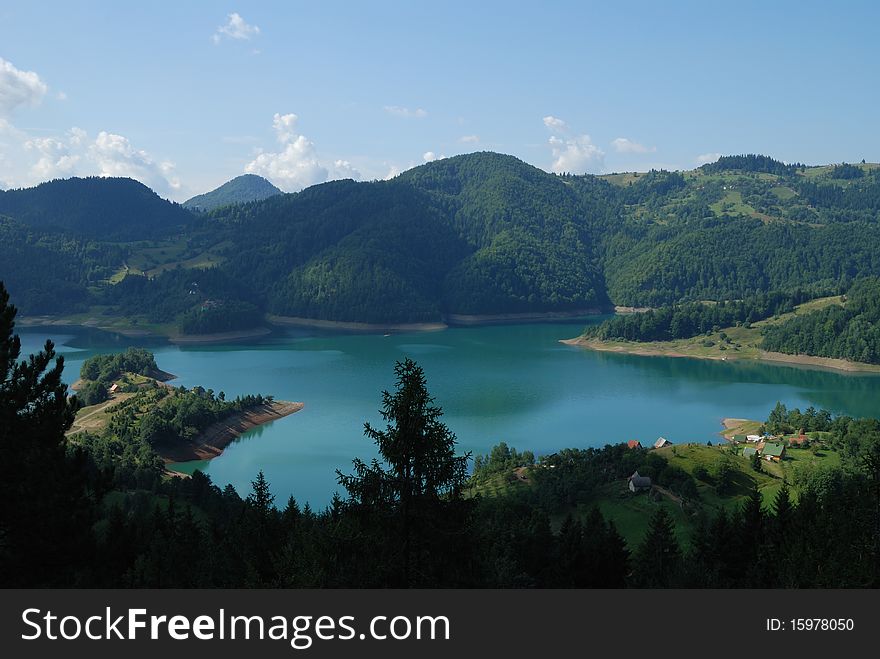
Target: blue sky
x: 184, y: 96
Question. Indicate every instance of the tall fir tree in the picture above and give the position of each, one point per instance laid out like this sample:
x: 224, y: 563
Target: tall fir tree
x: 45, y: 519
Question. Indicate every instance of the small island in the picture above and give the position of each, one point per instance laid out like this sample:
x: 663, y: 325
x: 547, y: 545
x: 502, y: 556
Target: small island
x: 131, y: 416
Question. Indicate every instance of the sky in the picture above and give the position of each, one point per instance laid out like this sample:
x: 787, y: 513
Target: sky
x: 184, y: 96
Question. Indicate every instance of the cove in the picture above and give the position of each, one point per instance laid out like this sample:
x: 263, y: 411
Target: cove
x: 511, y: 383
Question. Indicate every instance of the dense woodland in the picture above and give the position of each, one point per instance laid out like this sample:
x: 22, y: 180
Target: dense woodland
x: 111, y: 519
x: 682, y: 321
x: 849, y: 332
x: 481, y: 233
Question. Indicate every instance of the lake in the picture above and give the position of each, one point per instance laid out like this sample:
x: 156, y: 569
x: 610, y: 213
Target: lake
x: 513, y: 383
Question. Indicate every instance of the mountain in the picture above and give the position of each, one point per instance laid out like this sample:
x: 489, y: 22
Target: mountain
x: 117, y: 209
x: 477, y: 234
x: 241, y: 189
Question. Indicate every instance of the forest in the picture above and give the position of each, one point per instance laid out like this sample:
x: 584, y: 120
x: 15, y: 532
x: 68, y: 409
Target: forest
x: 481, y: 233
x: 411, y: 518
x: 849, y: 332
x: 682, y: 321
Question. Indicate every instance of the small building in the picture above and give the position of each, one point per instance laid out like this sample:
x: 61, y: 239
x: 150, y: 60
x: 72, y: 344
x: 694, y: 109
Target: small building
x: 113, y: 388
x: 639, y: 483
x: 634, y: 443
x: 661, y: 442
x: 773, y: 451
x: 753, y: 438
x: 749, y: 451
x: 739, y: 439
x: 800, y: 440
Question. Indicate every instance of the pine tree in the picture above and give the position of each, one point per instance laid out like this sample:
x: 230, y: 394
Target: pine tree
x: 45, y: 516
x: 658, y: 558
x: 419, y: 485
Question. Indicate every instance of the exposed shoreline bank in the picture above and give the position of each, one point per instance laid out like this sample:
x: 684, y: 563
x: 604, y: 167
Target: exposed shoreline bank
x: 475, y: 320
x: 219, y: 337
x: 452, y: 320
x: 133, y: 332
x: 650, y: 350
x: 218, y: 436
x: 298, y: 321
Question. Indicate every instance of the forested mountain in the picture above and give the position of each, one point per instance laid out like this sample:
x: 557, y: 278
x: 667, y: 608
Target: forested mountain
x: 481, y: 233
x: 112, y: 209
x: 240, y: 190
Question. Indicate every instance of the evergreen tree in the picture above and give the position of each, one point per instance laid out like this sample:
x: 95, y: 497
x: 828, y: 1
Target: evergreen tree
x: 420, y: 483
x: 45, y: 516
x: 658, y: 558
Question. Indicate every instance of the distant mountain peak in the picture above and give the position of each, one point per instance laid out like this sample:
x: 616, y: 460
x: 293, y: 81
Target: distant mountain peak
x: 242, y: 189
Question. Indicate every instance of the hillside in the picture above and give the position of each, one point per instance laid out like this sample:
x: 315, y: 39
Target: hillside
x: 240, y: 190
x: 481, y: 235
x: 103, y: 208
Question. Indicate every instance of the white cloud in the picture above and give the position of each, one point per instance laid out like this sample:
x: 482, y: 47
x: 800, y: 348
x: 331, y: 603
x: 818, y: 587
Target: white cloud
x: 235, y: 28
x: 344, y: 169
x: 61, y: 96
x: 55, y: 157
x: 555, y: 124
x: 625, y: 145
x: 430, y: 156
x: 469, y: 139
x: 574, y: 154
x: 296, y: 165
x: 32, y: 159
x: 18, y: 88
x: 114, y: 155
x: 707, y: 158
x: 406, y: 113
x: 393, y: 171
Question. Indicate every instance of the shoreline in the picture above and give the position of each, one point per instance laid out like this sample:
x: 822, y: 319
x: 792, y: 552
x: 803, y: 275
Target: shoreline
x: 299, y: 321
x: 131, y: 332
x: 475, y: 320
x: 218, y: 337
x: 218, y: 436
x: 631, y: 348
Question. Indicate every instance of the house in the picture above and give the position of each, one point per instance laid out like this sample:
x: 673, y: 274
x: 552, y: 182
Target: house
x: 773, y: 451
x: 114, y: 388
x: 639, y: 483
x: 661, y: 442
x: 753, y: 438
x: 634, y: 443
x: 749, y: 451
x: 739, y: 439
x: 800, y: 440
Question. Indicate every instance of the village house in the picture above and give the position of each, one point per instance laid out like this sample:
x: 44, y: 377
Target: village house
x: 749, y: 451
x: 639, y: 483
x: 661, y: 442
x: 753, y: 438
x: 634, y: 443
x: 773, y: 451
x: 114, y: 388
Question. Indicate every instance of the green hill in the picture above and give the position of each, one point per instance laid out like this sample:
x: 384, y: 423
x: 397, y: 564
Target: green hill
x: 477, y: 234
x: 103, y: 208
x: 240, y: 190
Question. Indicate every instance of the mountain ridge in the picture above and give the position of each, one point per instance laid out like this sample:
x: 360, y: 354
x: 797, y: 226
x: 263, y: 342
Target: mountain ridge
x: 479, y: 234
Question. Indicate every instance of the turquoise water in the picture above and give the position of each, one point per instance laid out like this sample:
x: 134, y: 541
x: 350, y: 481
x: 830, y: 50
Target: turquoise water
x: 514, y: 383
